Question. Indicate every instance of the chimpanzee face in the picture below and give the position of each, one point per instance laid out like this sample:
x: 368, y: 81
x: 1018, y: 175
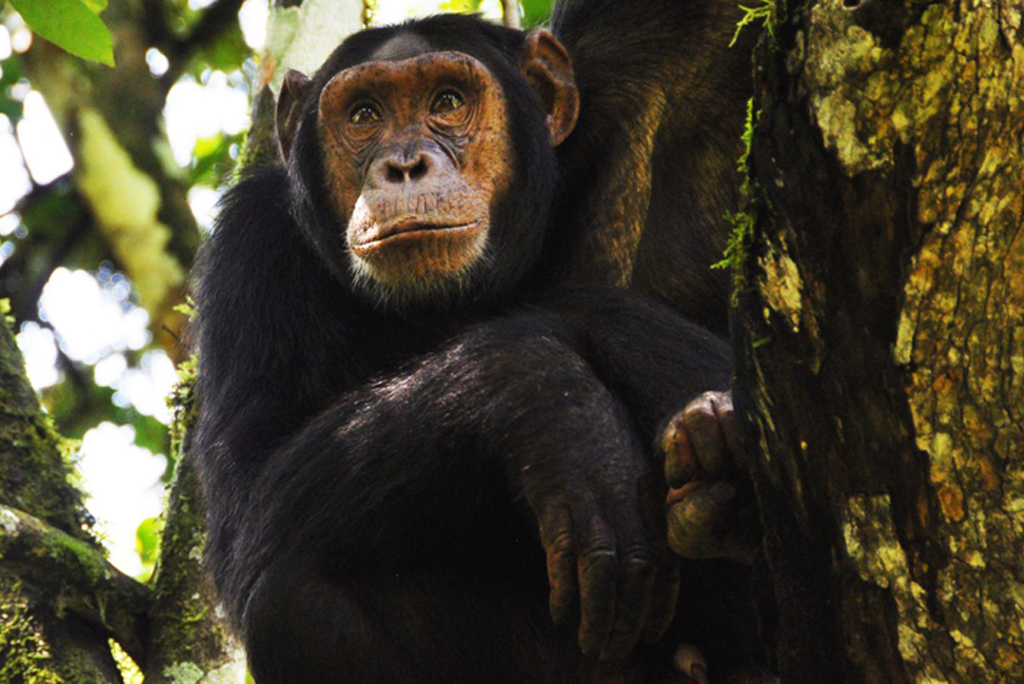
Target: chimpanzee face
x: 418, y: 156
x: 417, y: 152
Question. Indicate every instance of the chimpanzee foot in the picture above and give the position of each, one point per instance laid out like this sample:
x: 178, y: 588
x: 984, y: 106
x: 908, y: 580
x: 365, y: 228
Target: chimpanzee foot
x: 707, y: 517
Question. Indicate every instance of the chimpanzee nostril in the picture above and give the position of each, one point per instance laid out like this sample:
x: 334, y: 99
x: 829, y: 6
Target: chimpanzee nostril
x: 395, y: 174
x: 419, y: 170
x: 401, y: 170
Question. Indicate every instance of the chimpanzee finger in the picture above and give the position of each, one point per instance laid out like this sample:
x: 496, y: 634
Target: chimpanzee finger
x: 560, y: 546
x: 681, y: 462
x: 665, y: 586
x: 697, y: 518
x: 664, y: 597
x: 705, y: 434
x: 598, y: 571
x: 636, y: 584
x: 730, y: 426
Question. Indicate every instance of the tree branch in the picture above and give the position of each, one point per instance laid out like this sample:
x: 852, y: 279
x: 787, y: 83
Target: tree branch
x: 76, y: 577
x: 38, y: 255
x: 216, y: 19
x: 510, y: 13
x: 154, y: 22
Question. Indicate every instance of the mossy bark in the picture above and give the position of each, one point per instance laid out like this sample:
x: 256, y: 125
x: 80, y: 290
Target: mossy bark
x: 191, y: 640
x: 880, y: 339
x: 39, y: 641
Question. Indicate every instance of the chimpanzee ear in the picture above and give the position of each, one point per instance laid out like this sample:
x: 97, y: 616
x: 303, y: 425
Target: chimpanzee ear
x: 289, y: 105
x: 547, y: 67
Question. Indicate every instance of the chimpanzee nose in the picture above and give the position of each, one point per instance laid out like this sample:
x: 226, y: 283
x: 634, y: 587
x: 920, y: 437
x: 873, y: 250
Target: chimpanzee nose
x: 402, y: 168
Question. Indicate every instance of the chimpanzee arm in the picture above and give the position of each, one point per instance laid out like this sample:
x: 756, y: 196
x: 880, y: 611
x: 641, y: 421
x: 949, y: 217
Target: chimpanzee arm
x: 648, y: 354
x: 674, y: 377
x: 398, y: 472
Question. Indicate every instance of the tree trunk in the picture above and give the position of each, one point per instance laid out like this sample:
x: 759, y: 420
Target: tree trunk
x: 190, y: 639
x: 880, y: 339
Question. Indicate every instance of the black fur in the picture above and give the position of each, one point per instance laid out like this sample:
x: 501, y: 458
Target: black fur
x: 374, y: 477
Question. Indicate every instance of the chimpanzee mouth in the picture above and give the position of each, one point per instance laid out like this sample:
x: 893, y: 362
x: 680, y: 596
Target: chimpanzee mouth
x: 413, y: 230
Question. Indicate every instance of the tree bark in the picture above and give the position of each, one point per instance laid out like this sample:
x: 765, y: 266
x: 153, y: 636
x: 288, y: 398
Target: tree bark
x: 880, y: 339
x: 190, y: 638
x: 510, y: 13
x: 42, y: 637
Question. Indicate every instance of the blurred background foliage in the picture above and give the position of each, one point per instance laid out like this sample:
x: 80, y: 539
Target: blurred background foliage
x: 109, y: 177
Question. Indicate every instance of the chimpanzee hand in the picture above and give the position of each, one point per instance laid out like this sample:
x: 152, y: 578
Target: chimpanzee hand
x: 706, y: 516
x: 601, y: 522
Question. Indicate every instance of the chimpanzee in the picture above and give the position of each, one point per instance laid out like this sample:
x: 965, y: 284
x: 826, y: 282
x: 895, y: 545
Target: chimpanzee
x: 432, y: 420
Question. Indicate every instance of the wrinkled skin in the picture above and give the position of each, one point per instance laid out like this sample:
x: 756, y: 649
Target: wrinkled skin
x: 708, y: 515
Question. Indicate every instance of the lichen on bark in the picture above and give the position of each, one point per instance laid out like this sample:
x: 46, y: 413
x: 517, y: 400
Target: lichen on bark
x: 302, y: 37
x: 872, y: 543
x: 781, y: 287
x: 951, y: 91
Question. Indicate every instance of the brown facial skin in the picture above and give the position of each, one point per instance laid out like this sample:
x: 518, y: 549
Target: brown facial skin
x: 415, y: 153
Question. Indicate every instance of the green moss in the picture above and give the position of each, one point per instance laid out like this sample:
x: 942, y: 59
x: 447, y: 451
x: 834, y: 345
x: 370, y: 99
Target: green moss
x: 768, y: 13
x: 187, y: 308
x: 188, y: 619
x: 183, y: 673
x: 24, y: 655
x: 62, y: 547
x: 5, y: 311
x: 182, y: 403
x: 369, y: 12
x: 30, y: 445
x: 743, y: 221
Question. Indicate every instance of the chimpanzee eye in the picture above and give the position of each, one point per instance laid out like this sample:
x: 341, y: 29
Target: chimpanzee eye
x: 448, y: 101
x: 363, y: 114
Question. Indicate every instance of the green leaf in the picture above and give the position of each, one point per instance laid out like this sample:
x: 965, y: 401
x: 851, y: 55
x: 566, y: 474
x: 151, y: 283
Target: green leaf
x: 212, y: 161
x: 463, y: 6
x: 147, y: 539
x: 96, y: 6
x: 9, y: 75
x: 536, y: 12
x: 70, y: 24
x: 227, y: 52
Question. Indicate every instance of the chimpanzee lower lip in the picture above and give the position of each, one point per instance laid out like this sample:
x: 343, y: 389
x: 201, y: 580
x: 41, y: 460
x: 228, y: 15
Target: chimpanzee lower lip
x: 412, y: 230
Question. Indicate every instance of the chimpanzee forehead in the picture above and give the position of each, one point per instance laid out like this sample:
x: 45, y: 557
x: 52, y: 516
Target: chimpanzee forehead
x: 400, y: 47
x: 408, y: 74
x: 495, y: 46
